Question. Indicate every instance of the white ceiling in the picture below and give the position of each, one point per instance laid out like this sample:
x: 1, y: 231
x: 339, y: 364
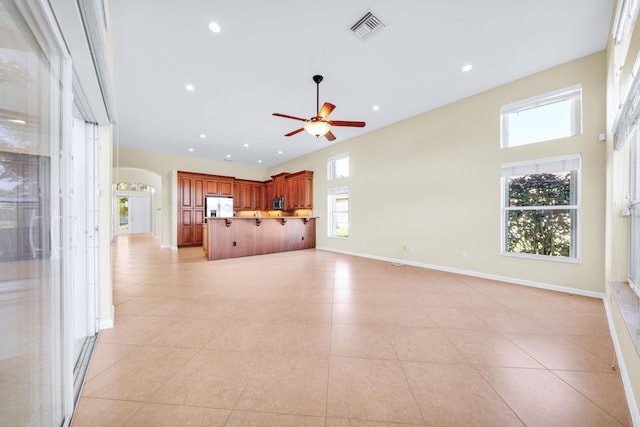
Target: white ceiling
x: 265, y: 56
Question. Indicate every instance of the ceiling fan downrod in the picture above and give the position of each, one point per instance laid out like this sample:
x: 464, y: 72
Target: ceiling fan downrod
x: 317, y: 78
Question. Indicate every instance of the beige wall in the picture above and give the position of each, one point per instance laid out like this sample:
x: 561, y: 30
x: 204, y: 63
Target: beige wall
x: 432, y: 182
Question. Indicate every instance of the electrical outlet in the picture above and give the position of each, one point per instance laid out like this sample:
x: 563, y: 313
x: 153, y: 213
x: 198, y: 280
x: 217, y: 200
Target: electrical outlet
x: 412, y: 248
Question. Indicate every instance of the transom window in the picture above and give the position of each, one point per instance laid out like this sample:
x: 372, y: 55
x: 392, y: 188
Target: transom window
x: 540, y: 208
x: 338, y: 166
x: 545, y: 117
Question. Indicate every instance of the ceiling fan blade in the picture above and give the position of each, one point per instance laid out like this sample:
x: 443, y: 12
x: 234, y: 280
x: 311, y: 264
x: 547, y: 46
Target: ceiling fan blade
x: 330, y: 136
x: 289, y: 117
x: 347, y: 123
x: 294, y: 132
x: 326, y: 110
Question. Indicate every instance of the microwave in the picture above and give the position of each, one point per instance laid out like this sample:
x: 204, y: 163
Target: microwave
x: 278, y: 204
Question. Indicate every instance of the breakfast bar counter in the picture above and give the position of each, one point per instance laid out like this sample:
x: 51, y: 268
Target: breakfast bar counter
x: 235, y: 237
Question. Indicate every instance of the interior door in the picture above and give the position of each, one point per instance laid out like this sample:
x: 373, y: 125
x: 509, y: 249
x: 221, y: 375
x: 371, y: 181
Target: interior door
x: 140, y: 213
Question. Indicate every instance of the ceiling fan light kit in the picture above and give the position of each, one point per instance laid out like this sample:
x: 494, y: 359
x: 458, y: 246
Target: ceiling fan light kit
x: 319, y: 125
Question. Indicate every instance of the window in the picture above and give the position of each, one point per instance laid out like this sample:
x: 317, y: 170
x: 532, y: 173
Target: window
x: 634, y: 226
x: 338, y: 166
x: 540, y: 208
x: 550, y: 116
x: 338, y: 212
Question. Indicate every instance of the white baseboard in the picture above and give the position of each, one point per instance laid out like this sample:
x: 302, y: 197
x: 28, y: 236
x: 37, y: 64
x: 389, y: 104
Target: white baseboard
x: 622, y: 367
x: 173, y: 248
x: 506, y: 279
x: 108, y: 323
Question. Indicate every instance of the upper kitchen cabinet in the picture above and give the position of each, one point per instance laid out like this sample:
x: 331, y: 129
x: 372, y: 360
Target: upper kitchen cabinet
x: 219, y: 186
x: 299, y: 190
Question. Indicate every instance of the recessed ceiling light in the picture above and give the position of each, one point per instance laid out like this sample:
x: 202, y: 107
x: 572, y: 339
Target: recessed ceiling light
x: 467, y: 68
x: 259, y: 161
x: 228, y: 156
x: 203, y: 136
x: 190, y: 87
x: 375, y: 108
x: 215, y: 27
x: 246, y: 145
x: 17, y: 121
x: 279, y: 151
x: 191, y: 149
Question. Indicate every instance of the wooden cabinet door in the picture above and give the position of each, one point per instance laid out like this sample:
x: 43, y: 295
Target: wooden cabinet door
x: 198, y: 193
x: 246, y: 196
x: 259, y: 197
x: 307, y: 193
x: 270, y: 194
x: 237, y: 203
x: 278, y: 187
x: 291, y: 196
x: 213, y: 187
x: 226, y: 187
x: 185, y: 192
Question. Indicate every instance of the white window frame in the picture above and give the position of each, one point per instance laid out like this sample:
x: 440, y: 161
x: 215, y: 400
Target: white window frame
x: 634, y: 212
x: 626, y: 15
x: 333, y: 194
x: 572, y: 162
x: 332, y: 169
x: 571, y: 93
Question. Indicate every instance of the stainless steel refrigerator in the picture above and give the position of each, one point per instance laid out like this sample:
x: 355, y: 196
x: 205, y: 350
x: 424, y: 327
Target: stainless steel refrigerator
x: 218, y: 206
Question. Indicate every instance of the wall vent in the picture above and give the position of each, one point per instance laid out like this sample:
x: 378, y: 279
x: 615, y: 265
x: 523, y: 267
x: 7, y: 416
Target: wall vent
x: 367, y: 26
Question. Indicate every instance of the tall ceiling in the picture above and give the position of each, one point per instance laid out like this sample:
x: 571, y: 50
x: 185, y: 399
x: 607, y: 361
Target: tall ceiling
x: 263, y: 59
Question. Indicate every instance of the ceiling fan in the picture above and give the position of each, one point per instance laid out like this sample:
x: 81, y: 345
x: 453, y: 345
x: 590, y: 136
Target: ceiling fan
x: 318, y: 125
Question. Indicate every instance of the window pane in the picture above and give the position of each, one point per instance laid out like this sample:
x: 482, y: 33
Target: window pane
x: 338, y: 166
x: 342, y: 167
x: 545, y: 189
x: 339, y: 215
x: 550, y: 121
x: 541, y: 232
x: 31, y: 260
x: 544, y: 117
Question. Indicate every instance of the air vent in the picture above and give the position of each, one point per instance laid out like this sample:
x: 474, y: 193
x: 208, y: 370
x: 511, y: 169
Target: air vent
x: 367, y: 26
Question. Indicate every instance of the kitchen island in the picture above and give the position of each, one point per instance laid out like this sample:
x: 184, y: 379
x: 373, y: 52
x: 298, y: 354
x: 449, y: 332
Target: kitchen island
x: 245, y: 236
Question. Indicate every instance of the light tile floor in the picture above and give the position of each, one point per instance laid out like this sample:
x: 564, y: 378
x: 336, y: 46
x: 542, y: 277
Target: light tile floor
x: 314, y: 338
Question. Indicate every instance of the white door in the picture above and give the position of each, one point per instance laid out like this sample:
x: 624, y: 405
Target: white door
x: 82, y: 224
x: 132, y: 213
x: 140, y: 213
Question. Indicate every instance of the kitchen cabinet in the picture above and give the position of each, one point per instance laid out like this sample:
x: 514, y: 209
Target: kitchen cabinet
x: 296, y: 188
x: 299, y: 191
x: 269, y: 193
x: 192, y: 190
x: 249, y: 195
x: 279, y: 185
x: 219, y: 186
x: 191, y: 209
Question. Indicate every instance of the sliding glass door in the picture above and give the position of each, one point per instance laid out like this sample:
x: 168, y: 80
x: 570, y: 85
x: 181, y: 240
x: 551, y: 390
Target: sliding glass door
x: 36, y: 231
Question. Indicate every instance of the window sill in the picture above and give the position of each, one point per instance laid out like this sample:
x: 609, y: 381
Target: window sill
x: 629, y: 305
x: 339, y: 237
x: 543, y: 258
